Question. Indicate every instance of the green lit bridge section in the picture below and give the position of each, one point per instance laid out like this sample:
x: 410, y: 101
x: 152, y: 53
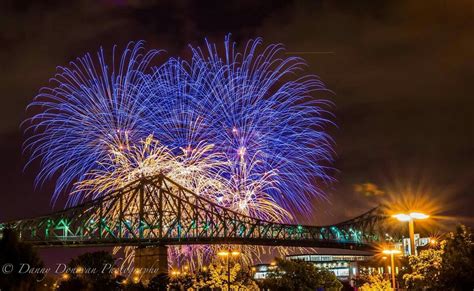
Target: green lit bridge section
x: 158, y: 211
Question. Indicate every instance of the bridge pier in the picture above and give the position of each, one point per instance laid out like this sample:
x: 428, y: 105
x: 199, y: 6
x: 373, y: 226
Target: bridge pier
x: 151, y: 261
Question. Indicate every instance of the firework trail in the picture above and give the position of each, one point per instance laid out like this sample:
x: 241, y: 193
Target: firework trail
x: 90, y: 105
x: 238, y: 128
x: 251, y: 107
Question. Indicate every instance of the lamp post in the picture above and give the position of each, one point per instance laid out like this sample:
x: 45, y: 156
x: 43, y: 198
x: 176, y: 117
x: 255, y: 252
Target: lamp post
x: 227, y: 254
x: 411, y: 226
x: 392, y: 252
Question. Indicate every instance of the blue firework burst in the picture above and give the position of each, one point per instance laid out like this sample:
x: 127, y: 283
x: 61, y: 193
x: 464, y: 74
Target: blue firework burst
x: 90, y: 104
x: 256, y: 106
x: 250, y: 104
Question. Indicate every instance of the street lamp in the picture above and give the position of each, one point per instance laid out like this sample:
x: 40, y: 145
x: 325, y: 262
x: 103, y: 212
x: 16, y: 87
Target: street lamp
x: 411, y: 226
x: 392, y: 252
x: 227, y: 254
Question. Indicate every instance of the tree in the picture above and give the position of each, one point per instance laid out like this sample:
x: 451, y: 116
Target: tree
x: 22, y: 259
x: 449, y: 267
x: 181, y: 282
x: 300, y: 275
x: 93, y: 270
x: 375, y: 282
x: 73, y: 284
x: 218, y: 275
x: 424, y: 269
x: 457, y: 269
x: 159, y: 282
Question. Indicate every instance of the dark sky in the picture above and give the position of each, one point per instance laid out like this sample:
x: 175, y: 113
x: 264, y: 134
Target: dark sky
x: 402, y: 73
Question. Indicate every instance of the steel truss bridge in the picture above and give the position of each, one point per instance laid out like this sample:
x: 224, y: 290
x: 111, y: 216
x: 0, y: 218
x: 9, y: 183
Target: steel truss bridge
x: 158, y: 211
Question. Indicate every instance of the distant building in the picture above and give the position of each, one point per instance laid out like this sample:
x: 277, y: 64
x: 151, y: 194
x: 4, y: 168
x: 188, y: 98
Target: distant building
x: 419, y: 242
x: 343, y: 263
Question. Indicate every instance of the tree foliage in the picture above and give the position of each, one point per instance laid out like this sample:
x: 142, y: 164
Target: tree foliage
x: 300, y: 275
x: 216, y: 277
x: 424, y: 269
x: 457, y: 269
x: 375, y: 282
x: 159, y: 282
x: 449, y: 267
x: 95, y: 272
x: 19, y: 256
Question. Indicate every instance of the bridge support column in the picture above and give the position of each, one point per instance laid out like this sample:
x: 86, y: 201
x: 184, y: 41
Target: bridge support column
x: 151, y: 261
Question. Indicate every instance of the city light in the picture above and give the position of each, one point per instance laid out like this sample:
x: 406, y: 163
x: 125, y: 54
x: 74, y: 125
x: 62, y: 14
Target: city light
x: 402, y: 217
x: 175, y: 273
x: 411, y: 225
x: 412, y: 215
x: 228, y: 255
x: 392, y: 253
x: 418, y: 215
x: 235, y: 253
x: 223, y: 253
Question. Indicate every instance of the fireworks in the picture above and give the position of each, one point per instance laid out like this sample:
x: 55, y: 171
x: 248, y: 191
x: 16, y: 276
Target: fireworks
x: 236, y: 128
x: 91, y: 105
x: 249, y: 106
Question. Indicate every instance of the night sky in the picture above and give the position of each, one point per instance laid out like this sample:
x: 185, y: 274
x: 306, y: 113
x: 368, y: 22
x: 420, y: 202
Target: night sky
x: 402, y: 73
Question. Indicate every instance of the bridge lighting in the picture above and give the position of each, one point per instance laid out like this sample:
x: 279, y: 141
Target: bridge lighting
x: 392, y: 252
x: 411, y: 225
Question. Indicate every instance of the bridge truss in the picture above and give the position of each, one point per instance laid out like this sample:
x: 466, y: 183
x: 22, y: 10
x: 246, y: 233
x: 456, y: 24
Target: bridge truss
x: 158, y: 211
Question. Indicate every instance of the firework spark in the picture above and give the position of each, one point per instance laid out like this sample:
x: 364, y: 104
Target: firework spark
x: 249, y: 106
x: 90, y: 106
x: 237, y: 128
